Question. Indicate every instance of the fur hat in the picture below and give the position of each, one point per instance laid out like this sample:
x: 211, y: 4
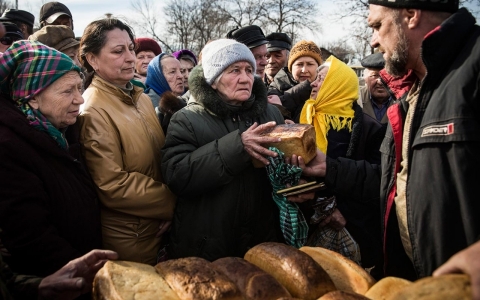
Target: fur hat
x: 60, y: 37
x: 250, y: 35
x: 17, y: 15
x: 147, y: 44
x: 220, y: 54
x: 304, y: 48
x: 435, y: 5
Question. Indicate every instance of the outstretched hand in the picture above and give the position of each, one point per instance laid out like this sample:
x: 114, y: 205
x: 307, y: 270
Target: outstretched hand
x: 466, y: 261
x: 76, y: 277
x: 253, y: 140
x: 317, y: 167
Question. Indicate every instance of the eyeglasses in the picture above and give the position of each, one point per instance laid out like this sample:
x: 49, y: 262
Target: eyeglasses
x: 8, y: 40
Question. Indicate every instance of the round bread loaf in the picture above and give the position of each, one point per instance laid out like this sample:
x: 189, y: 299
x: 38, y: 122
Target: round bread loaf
x: 124, y: 280
x: 386, y: 287
x: 294, y: 269
x: 197, y: 278
x: 451, y: 286
x: 342, y: 295
x: 345, y: 273
x: 253, y: 282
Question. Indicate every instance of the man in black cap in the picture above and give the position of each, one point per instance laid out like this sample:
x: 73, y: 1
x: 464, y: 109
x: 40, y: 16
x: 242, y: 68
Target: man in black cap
x: 23, y: 19
x: 430, y: 154
x: 55, y: 13
x: 374, y: 97
x: 12, y: 34
x: 278, y: 47
x: 252, y: 36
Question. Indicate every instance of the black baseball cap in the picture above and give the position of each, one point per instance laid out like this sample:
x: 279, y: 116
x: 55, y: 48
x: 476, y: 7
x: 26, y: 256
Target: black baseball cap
x: 52, y: 10
x: 278, y: 41
x: 252, y: 36
x: 16, y: 15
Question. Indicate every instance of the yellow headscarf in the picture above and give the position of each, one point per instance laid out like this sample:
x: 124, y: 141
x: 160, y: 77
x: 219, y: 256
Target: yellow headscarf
x: 333, y: 107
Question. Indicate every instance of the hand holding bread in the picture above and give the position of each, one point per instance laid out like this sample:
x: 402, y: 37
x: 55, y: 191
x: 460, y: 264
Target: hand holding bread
x: 253, y: 140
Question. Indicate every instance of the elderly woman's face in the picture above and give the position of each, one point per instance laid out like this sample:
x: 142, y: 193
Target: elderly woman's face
x: 143, y: 59
x: 304, y: 68
x: 116, y: 61
x: 173, y: 75
x: 235, y: 85
x: 60, y: 102
x: 317, y: 83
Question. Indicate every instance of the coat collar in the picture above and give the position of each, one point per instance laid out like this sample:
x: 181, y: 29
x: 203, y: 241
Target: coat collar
x: 205, y: 95
x: 130, y: 99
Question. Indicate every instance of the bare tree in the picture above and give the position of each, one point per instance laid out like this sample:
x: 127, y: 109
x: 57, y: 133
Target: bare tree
x: 291, y: 16
x: 148, y: 21
x: 341, y: 49
x: 243, y: 12
x: 4, y: 5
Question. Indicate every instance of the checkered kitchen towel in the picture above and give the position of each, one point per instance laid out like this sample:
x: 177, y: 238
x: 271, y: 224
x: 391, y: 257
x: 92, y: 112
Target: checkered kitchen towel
x: 292, y: 222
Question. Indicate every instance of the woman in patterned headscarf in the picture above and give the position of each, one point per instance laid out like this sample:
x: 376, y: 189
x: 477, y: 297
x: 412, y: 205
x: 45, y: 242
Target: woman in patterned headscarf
x: 48, y: 204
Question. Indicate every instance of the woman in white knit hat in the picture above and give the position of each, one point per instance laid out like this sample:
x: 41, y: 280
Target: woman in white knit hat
x: 224, y: 204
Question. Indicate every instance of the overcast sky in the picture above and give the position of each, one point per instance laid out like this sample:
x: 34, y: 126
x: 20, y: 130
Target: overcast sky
x: 85, y: 11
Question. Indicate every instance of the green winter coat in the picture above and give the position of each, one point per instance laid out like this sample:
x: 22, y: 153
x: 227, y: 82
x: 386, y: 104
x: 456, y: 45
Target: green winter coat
x: 224, y: 204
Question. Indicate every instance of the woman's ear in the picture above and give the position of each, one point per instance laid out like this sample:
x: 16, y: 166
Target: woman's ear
x: 92, y: 60
x: 34, y: 102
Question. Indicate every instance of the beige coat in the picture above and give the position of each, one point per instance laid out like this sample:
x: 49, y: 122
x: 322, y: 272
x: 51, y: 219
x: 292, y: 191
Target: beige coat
x: 121, y: 139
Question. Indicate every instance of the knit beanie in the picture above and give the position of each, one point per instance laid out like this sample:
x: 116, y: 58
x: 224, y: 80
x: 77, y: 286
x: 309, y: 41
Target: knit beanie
x: 147, y: 44
x: 220, y: 54
x: 155, y: 78
x: 304, y: 48
x: 434, y: 5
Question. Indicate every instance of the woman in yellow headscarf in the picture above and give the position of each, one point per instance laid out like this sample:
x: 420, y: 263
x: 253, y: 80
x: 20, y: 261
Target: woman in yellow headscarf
x: 330, y: 107
x: 343, y: 130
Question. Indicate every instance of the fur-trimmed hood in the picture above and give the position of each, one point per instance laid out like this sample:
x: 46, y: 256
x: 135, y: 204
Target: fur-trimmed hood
x: 206, y: 96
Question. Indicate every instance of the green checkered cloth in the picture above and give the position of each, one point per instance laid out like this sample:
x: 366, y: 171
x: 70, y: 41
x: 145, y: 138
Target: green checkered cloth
x: 292, y: 222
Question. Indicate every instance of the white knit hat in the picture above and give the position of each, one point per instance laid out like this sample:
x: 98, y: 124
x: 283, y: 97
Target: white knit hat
x: 220, y: 54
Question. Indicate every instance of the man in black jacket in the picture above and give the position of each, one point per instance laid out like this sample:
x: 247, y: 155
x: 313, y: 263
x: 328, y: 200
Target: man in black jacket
x: 430, y: 153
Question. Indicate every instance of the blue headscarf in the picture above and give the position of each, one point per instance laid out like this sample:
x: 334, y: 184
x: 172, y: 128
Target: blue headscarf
x: 155, y: 78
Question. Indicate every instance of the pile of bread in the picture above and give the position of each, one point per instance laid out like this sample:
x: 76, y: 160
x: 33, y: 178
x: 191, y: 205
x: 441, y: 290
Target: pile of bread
x: 268, y: 271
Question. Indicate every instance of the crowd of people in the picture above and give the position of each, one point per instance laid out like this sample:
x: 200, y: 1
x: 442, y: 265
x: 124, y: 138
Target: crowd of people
x: 107, y: 142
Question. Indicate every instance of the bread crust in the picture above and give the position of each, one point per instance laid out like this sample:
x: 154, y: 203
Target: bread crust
x: 253, y: 282
x: 294, y: 269
x: 450, y: 286
x: 345, y: 274
x: 197, y: 278
x: 386, y: 287
x: 124, y: 280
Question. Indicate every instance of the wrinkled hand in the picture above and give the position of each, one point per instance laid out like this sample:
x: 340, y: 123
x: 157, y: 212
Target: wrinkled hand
x: 466, y: 261
x: 163, y: 227
x: 317, y: 167
x: 299, y: 198
x: 76, y: 277
x: 335, y: 220
x: 274, y: 99
x: 253, y: 140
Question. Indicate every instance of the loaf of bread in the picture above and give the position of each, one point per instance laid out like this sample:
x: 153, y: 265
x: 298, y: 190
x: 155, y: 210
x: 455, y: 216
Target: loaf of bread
x: 197, y: 278
x: 253, y: 282
x: 299, y: 139
x: 345, y: 274
x: 294, y: 269
x: 123, y: 280
x: 451, y: 286
x: 386, y: 287
x: 342, y: 295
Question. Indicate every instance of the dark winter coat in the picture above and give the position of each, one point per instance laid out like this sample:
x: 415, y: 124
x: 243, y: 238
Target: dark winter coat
x: 442, y: 196
x: 292, y: 94
x: 224, y: 204
x: 49, y: 210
